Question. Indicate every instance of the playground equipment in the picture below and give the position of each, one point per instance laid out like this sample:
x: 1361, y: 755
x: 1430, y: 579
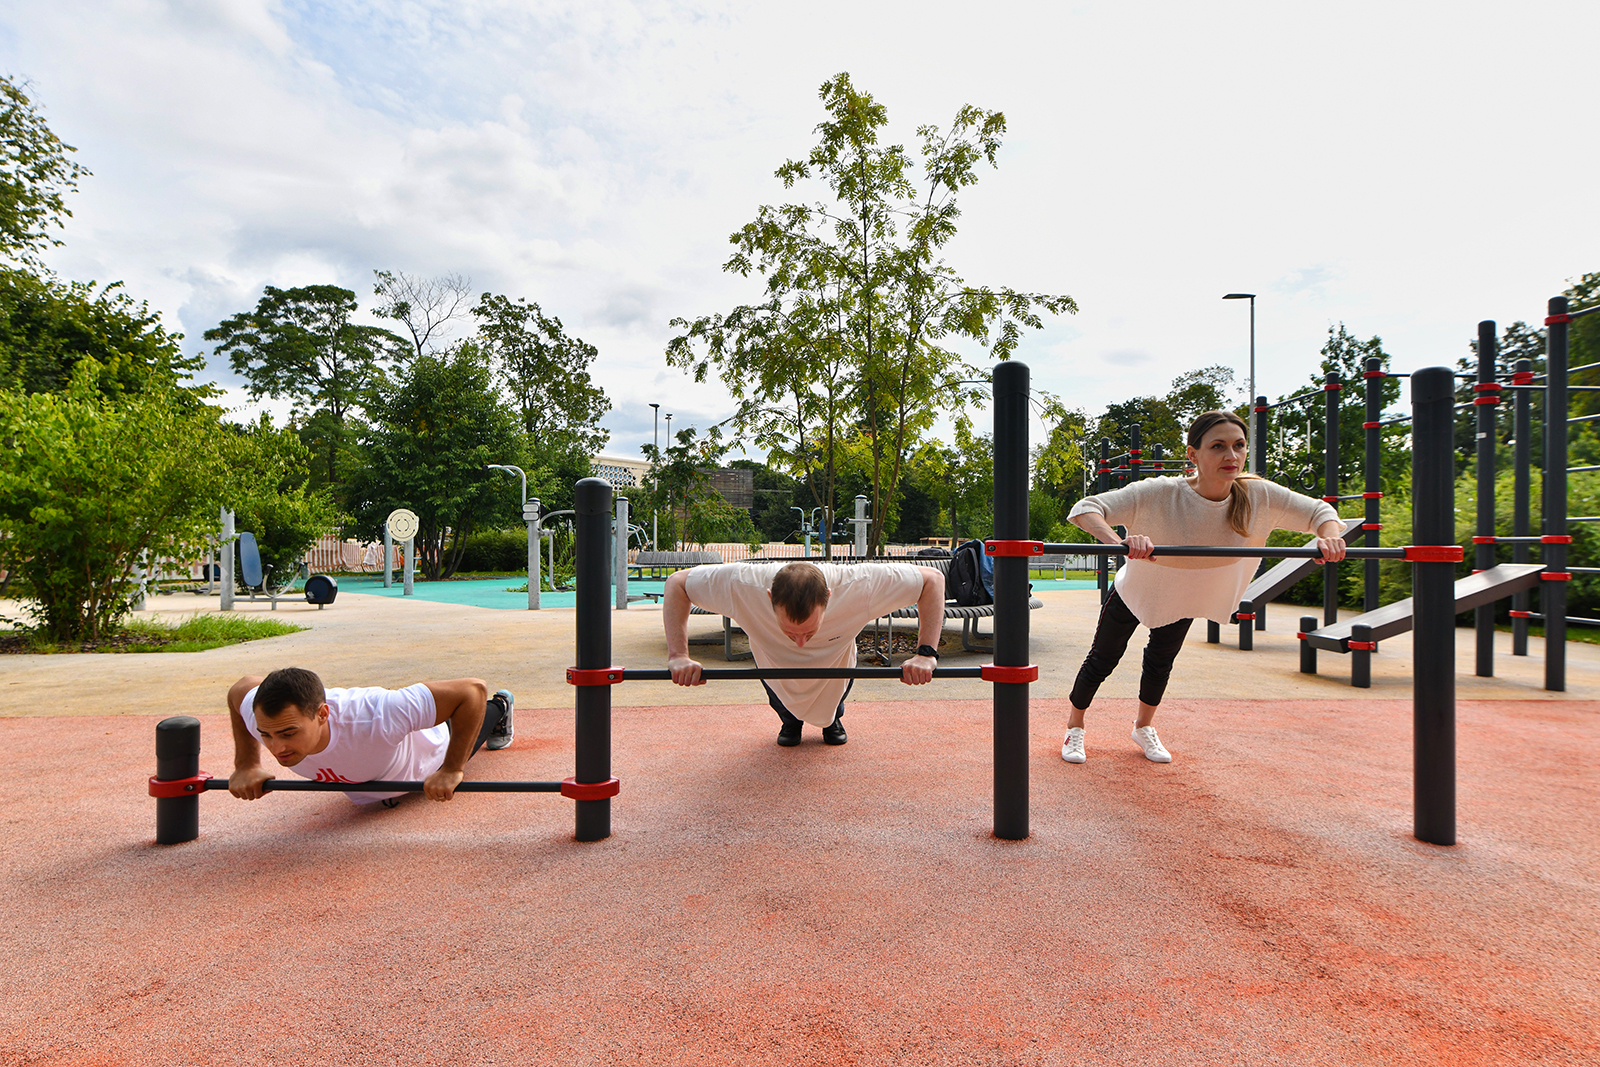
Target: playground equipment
x: 531, y: 517
x: 178, y: 779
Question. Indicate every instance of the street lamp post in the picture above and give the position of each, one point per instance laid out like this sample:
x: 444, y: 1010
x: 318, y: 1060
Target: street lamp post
x: 531, y: 517
x: 655, y: 480
x: 1251, y: 400
x: 669, y: 495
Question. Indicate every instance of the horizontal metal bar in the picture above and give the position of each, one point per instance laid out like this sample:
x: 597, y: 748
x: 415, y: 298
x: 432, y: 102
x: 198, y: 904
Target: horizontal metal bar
x: 302, y: 785
x: 1395, y: 422
x: 724, y: 674
x: 1583, y: 388
x: 1583, y: 518
x: 1584, y: 418
x: 1294, y: 399
x: 1570, y: 618
x: 1517, y: 540
x: 1582, y: 312
x: 1227, y: 551
x: 1576, y: 470
x: 1584, y: 570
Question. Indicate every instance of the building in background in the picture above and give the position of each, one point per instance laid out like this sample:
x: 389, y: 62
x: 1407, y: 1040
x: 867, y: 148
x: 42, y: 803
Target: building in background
x: 623, y: 472
x: 737, y: 486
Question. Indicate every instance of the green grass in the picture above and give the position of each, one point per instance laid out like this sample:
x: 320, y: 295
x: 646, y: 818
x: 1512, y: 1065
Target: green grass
x: 1587, y: 635
x: 149, y: 635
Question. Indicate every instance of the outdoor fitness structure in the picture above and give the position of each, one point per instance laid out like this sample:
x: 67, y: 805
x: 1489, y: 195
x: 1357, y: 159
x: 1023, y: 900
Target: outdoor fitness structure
x: 178, y: 781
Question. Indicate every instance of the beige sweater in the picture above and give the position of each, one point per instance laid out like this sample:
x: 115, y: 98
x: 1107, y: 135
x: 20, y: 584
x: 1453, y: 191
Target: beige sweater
x: 1168, y: 511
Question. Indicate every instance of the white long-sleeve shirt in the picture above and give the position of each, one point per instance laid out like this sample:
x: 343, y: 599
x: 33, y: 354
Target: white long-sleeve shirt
x: 1169, y: 511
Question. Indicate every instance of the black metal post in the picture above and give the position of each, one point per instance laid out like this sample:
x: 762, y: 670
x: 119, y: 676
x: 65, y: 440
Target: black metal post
x: 1011, y: 600
x: 1372, y: 491
x: 1213, y: 633
x: 1135, y: 451
x: 1433, y: 699
x: 1330, y: 489
x: 1247, y: 625
x: 1308, y: 651
x: 1102, y: 482
x: 1553, y: 594
x: 593, y: 726
x: 1522, y: 426
x: 177, y: 756
x: 1258, y: 440
x: 1484, y: 402
x: 1360, y: 657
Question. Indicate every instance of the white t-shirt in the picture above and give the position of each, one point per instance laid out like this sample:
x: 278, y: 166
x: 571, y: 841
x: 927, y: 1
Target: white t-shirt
x: 374, y: 734
x: 1169, y: 511
x: 857, y: 595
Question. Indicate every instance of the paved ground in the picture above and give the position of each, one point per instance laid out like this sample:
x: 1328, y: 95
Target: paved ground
x: 1260, y: 900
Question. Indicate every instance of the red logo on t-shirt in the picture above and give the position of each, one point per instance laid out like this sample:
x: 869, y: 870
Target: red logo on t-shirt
x: 326, y: 775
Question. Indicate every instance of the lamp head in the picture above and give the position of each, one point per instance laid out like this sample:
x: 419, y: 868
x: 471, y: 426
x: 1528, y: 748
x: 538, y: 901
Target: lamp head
x: 1240, y: 296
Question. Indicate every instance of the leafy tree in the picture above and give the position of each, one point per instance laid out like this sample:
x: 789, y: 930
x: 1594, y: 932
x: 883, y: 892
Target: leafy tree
x: 300, y: 344
x: 88, y: 486
x: 423, y: 305
x: 47, y: 327
x: 683, y: 477
x: 36, y: 173
x: 273, y: 497
x: 860, y: 307
x: 546, y: 374
x: 436, y: 424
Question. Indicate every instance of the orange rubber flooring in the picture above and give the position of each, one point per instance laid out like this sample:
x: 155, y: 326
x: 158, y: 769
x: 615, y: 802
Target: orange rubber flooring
x: 1258, y: 901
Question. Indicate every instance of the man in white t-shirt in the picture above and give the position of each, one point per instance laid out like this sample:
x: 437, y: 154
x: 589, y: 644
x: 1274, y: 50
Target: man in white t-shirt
x: 424, y: 732
x: 805, y: 615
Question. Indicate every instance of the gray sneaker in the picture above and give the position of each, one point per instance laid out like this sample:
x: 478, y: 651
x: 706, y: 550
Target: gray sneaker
x: 503, y: 732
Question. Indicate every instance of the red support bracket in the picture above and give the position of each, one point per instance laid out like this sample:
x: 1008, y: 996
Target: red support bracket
x: 1240, y: 616
x: 990, y: 672
x: 1135, y: 451
x: 1302, y: 635
x: 1362, y: 646
x: 1556, y: 539
x: 594, y: 675
x: 1485, y: 401
x: 1372, y: 425
x: 1484, y: 540
x: 1330, y: 500
x: 1433, y: 553
x: 1013, y: 548
x: 1487, y: 387
x: 1552, y: 320
x: 1554, y: 576
x: 1374, y: 374
x: 573, y: 789
x: 1332, y: 387
x: 179, y: 787
x: 1521, y: 614
x: 1522, y: 377
x: 1372, y: 496
x: 1372, y: 526
x: 1259, y: 407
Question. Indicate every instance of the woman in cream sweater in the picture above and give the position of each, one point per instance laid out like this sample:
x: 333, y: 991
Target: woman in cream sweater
x: 1216, y: 505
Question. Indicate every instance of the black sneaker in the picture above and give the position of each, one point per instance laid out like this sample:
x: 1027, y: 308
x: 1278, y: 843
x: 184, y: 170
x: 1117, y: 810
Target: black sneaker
x: 789, y: 734
x: 833, y: 733
x: 502, y: 733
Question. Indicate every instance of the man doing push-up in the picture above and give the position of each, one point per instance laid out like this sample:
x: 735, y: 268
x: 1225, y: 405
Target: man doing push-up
x: 425, y: 732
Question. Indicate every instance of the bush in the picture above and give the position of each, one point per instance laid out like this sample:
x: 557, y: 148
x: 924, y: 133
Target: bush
x: 497, y: 551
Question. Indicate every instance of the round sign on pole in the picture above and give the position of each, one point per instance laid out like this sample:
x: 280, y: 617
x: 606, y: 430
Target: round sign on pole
x: 402, y: 524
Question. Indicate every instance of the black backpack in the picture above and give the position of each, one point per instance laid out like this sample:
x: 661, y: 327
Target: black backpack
x: 965, y: 583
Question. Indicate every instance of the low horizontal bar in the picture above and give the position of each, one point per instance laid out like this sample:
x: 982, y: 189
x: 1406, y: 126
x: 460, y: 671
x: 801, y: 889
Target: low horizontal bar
x: 1583, y: 518
x: 1227, y: 552
x: 1570, y: 618
x: 1584, y: 418
x: 1584, y: 570
x: 1576, y: 470
x: 1395, y: 422
x: 299, y: 785
x: 718, y: 674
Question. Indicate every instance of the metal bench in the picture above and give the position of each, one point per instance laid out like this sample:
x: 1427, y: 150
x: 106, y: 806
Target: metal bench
x: 656, y: 562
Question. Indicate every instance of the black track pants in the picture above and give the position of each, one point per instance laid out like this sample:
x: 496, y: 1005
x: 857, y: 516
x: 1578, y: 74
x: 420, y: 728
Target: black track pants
x: 1111, y: 640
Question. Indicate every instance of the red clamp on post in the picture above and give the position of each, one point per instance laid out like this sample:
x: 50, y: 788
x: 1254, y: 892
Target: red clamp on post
x: 1372, y: 425
x: 179, y: 787
x: 989, y: 672
x: 1522, y: 377
x: 1487, y: 387
x: 1485, y: 401
x: 1554, y: 576
x: 573, y: 789
x: 1259, y: 407
x: 1556, y: 539
x: 594, y: 675
x: 1135, y: 451
x: 1013, y: 548
x: 1362, y: 646
x: 1374, y: 374
x: 1330, y: 500
x: 1240, y: 616
x: 1433, y: 553
x: 1372, y: 526
x: 1371, y: 496
x: 1302, y: 635
x: 1521, y: 614
x: 1484, y: 540
x: 1552, y: 320
x: 1332, y: 387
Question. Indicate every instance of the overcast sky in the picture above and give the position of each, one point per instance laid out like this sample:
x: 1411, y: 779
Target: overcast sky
x: 1405, y: 168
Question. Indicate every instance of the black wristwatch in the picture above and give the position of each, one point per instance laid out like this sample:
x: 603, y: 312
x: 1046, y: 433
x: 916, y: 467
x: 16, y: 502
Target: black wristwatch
x: 927, y: 650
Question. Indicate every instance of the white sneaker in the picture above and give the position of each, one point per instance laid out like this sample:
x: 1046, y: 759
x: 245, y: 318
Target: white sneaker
x: 1072, y: 747
x: 1154, y: 751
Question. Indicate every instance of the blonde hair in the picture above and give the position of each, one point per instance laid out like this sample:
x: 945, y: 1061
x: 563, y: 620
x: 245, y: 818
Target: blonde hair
x: 1238, y: 492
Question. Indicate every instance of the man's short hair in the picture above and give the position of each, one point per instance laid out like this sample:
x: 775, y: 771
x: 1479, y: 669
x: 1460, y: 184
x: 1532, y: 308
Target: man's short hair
x: 798, y: 589
x: 289, y: 685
